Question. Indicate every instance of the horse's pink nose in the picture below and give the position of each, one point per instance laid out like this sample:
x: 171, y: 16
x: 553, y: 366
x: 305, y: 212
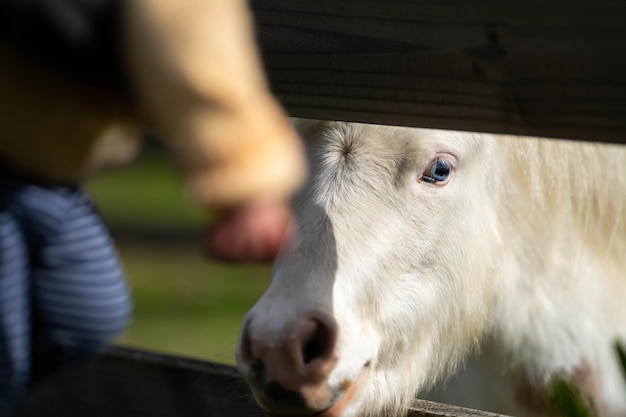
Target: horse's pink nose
x: 289, y: 375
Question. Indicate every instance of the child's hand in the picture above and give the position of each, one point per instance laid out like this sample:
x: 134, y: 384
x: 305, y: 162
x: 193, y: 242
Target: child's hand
x: 251, y: 233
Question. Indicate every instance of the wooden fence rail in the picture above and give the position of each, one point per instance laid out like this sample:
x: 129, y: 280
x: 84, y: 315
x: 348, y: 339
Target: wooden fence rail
x: 132, y: 383
x: 554, y: 68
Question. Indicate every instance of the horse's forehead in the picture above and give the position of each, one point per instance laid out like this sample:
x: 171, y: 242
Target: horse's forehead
x: 382, y: 142
x: 352, y: 137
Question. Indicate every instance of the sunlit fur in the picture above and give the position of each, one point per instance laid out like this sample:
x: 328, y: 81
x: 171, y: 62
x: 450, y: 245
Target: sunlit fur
x: 521, y: 256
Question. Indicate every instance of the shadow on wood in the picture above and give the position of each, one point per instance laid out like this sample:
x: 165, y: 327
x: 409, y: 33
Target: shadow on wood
x: 125, y: 383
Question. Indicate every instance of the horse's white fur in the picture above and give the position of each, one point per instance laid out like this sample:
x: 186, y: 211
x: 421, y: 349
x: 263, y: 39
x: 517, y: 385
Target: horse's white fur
x: 517, y: 263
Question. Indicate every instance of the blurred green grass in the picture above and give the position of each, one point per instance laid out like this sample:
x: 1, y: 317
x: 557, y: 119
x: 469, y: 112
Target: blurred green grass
x: 184, y: 304
x: 146, y: 196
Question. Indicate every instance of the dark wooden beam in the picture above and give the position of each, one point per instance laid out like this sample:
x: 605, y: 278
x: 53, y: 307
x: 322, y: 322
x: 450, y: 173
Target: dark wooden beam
x: 553, y: 68
x: 134, y: 383
x: 423, y: 408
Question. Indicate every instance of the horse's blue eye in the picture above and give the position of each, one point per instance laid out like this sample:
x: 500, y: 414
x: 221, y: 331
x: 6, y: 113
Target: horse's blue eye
x: 438, y: 172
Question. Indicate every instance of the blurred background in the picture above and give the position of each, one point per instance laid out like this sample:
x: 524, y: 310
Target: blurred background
x: 184, y: 303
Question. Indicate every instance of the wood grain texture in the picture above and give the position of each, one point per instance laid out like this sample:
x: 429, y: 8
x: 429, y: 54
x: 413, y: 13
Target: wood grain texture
x: 552, y: 68
x: 423, y: 408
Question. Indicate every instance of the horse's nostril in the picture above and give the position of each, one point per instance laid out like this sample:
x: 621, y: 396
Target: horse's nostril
x: 317, y: 341
x: 315, y: 345
x: 304, y: 351
x: 288, y: 368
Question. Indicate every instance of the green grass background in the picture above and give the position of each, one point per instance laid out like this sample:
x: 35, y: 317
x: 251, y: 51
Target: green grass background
x: 184, y: 303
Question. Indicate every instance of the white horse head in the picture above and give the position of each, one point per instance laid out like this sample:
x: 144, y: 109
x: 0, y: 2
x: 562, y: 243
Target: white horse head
x: 415, y: 247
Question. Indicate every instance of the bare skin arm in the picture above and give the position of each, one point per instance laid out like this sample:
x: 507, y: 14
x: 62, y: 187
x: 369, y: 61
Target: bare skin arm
x: 188, y: 70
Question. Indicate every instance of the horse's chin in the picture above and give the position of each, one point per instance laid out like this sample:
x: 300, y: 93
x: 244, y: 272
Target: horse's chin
x: 343, y: 403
